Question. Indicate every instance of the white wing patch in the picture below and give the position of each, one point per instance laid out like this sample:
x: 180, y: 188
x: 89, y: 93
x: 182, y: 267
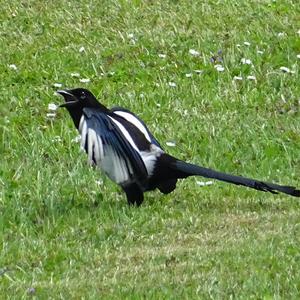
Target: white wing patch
x: 125, y: 133
x: 83, y: 131
x: 149, y: 158
x: 94, y: 149
x: 135, y: 121
x: 114, y: 166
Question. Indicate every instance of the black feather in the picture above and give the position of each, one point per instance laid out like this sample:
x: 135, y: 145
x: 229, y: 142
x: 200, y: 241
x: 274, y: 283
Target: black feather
x: 112, y: 136
x: 187, y: 169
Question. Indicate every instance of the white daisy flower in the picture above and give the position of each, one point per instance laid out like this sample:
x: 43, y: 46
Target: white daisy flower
x: 285, y: 69
x: 188, y: 75
x: 75, y: 75
x: 84, y: 80
x: 13, y: 67
x: 298, y: 56
x: 81, y: 49
x: 219, y: 68
x: 172, y: 84
x: 52, y: 106
x: 194, y: 52
x: 160, y: 55
x: 251, y: 77
x: 171, y: 144
x: 246, y: 61
x: 51, y: 115
x: 99, y: 182
x: 238, y: 78
x: 132, y: 38
x: 76, y: 139
x: 281, y: 34
x: 247, y: 44
x: 57, y: 85
x: 198, y: 71
x: 56, y: 139
x: 204, y: 183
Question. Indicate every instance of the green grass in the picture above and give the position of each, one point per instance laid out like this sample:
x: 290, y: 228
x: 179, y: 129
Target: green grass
x: 64, y: 235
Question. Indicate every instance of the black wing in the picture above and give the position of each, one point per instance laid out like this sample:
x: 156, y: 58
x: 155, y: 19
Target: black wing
x: 102, y: 134
x: 138, y: 122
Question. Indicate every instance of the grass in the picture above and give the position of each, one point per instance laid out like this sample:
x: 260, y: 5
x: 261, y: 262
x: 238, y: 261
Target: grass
x: 66, y: 235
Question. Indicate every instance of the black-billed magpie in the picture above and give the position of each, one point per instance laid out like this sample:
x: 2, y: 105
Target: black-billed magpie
x: 120, y: 143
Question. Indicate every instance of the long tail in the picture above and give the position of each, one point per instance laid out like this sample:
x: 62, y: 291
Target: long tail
x: 186, y: 169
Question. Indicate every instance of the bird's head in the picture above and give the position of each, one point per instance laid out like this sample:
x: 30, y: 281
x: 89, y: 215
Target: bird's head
x: 78, y: 99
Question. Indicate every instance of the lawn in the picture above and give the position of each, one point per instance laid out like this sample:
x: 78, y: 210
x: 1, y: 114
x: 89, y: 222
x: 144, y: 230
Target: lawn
x: 217, y: 82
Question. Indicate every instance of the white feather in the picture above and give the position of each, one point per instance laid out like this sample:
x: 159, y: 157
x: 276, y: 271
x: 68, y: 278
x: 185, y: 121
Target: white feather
x: 83, y: 131
x: 99, y: 150
x: 125, y: 133
x: 136, y: 122
x: 91, y: 143
x: 114, y: 166
x: 82, y: 120
x: 149, y: 158
x: 109, y: 161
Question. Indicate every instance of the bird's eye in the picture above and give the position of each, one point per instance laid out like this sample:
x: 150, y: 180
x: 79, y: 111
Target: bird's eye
x: 82, y: 96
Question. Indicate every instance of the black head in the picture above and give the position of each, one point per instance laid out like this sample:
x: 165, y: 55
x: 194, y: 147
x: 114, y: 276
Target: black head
x: 78, y: 99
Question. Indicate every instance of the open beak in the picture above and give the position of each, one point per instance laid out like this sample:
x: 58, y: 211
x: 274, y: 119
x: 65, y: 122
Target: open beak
x: 69, y: 98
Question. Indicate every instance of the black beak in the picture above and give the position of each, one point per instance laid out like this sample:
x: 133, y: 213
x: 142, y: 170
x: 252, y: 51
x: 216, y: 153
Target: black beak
x: 69, y: 98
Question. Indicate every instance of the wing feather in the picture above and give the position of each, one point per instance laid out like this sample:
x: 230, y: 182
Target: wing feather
x: 137, y: 122
x: 107, y: 147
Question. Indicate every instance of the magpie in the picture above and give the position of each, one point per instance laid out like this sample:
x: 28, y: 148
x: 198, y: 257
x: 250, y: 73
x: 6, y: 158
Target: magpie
x: 119, y: 142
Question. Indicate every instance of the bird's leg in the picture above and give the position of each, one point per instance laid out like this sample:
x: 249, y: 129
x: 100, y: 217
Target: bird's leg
x: 134, y: 194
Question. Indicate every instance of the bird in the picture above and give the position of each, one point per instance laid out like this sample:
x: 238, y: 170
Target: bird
x: 119, y: 143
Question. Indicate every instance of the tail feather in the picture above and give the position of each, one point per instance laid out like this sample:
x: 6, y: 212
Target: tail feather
x: 185, y: 169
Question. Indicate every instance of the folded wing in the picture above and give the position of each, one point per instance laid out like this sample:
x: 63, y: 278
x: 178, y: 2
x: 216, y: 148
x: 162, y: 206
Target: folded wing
x: 137, y: 122
x: 107, y: 148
